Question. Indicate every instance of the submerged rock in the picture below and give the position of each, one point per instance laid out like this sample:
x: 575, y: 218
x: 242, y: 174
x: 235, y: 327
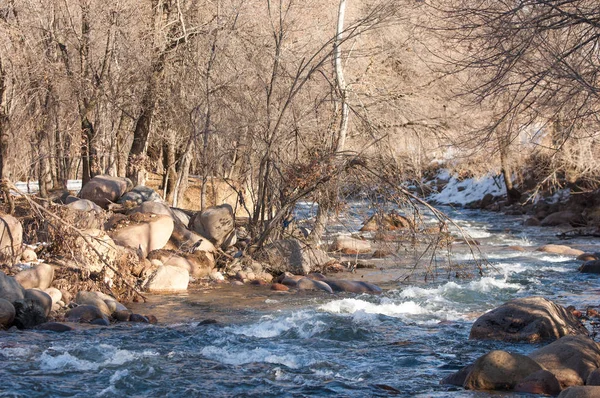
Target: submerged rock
x: 540, y: 382
x: 85, y: 314
x: 571, y: 359
x: 529, y: 319
x: 54, y: 327
x: 566, y: 217
x: 590, y: 267
x: 580, y: 392
x: 500, y: 370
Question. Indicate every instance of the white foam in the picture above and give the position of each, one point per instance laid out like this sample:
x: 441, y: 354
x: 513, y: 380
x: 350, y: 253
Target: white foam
x: 555, y: 258
x: 302, y: 322
x: 16, y: 352
x: 110, y: 357
x: 241, y: 357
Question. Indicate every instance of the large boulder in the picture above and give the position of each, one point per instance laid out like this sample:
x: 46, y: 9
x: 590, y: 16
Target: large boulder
x: 92, y: 243
x: 349, y: 245
x: 559, y: 249
x: 566, y: 217
x: 168, y: 279
x: 85, y: 314
x: 571, y: 359
x: 217, y: 224
x: 139, y: 195
x: 42, y: 298
x: 29, y: 313
x: 529, y: 319
x: 500, y: 370
x: 10, y: 289
x: 11, y: 237
x: 580, y: 392
x: 104, y: 190
x: 541, y: 382
x: 199, y: 264
x: 143, y: 232
x: 7, y: 313
x: 92, y: 298
x: 38, y: 277
x: 291, y: 255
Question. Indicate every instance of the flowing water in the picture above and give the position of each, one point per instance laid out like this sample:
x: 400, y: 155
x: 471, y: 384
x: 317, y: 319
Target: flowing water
x: 264, y: 343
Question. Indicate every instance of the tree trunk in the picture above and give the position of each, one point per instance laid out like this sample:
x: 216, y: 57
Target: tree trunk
x: 170, y: 176
x: 3, y: 121
x: 512, y: 194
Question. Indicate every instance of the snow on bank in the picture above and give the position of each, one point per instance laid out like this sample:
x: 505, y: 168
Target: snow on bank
x: 33, y: 186
x: 463, y: 192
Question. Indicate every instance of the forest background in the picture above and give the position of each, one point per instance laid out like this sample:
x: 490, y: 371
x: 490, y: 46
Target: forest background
x: 299, y: 100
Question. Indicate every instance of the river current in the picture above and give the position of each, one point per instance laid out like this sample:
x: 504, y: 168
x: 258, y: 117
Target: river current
x: 250, y: 341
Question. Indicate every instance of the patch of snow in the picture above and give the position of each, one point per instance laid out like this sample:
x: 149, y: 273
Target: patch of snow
x: 462, y: 192
x: 33, y: 186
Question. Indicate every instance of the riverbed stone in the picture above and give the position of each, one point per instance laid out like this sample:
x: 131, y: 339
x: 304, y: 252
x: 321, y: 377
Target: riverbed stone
x: 279, y: 287
x: 566, y: 217
x: 168, y: 278
x: 54, y: 294
x: 137, y: 318
x: 529, y: 319
x: 457, y: 378
x: 358, y: 287
x: 121, y: 316
x: 350, y: 245
x: 143, y: 232
x: 10, y: 289
x: 28, y: 313
x: 580, y: 392
x: 139, y: 195
x: 38, y: 277
x: 84, y: 314
x: 11, y: 237
x: 541, y: 382
x: 291, y: 255
x: 571, y: 359
x: 593, y: 378
x: 588, y: 257
x: 216, y: 223
x: 54, y: 327
x: 559, y: 249
x: 104, y: 190
x: 7, y: 313
x: 41, y: 297
x: 590, y: 267
x: 500, y: 370
x: 309, y: 284
x: 91, y: 298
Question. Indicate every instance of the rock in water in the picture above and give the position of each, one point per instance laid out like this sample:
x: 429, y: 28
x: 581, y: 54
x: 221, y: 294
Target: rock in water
x: 563, y: 218
x: 580, y: 392
x: 559, y: 249
x: 590, y: 267
x: 29, y: 313
x: 85, y: 314
x: 529, y: 319
x: 571, y: 359
x: 349, y: 245
x: 104, y: 190
x: 500, y: 370
x: 168, y: 279
x: 540, y: 382
x: 291, y: 255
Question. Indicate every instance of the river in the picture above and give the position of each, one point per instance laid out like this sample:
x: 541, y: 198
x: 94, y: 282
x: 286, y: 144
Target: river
x: 250, y: 341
